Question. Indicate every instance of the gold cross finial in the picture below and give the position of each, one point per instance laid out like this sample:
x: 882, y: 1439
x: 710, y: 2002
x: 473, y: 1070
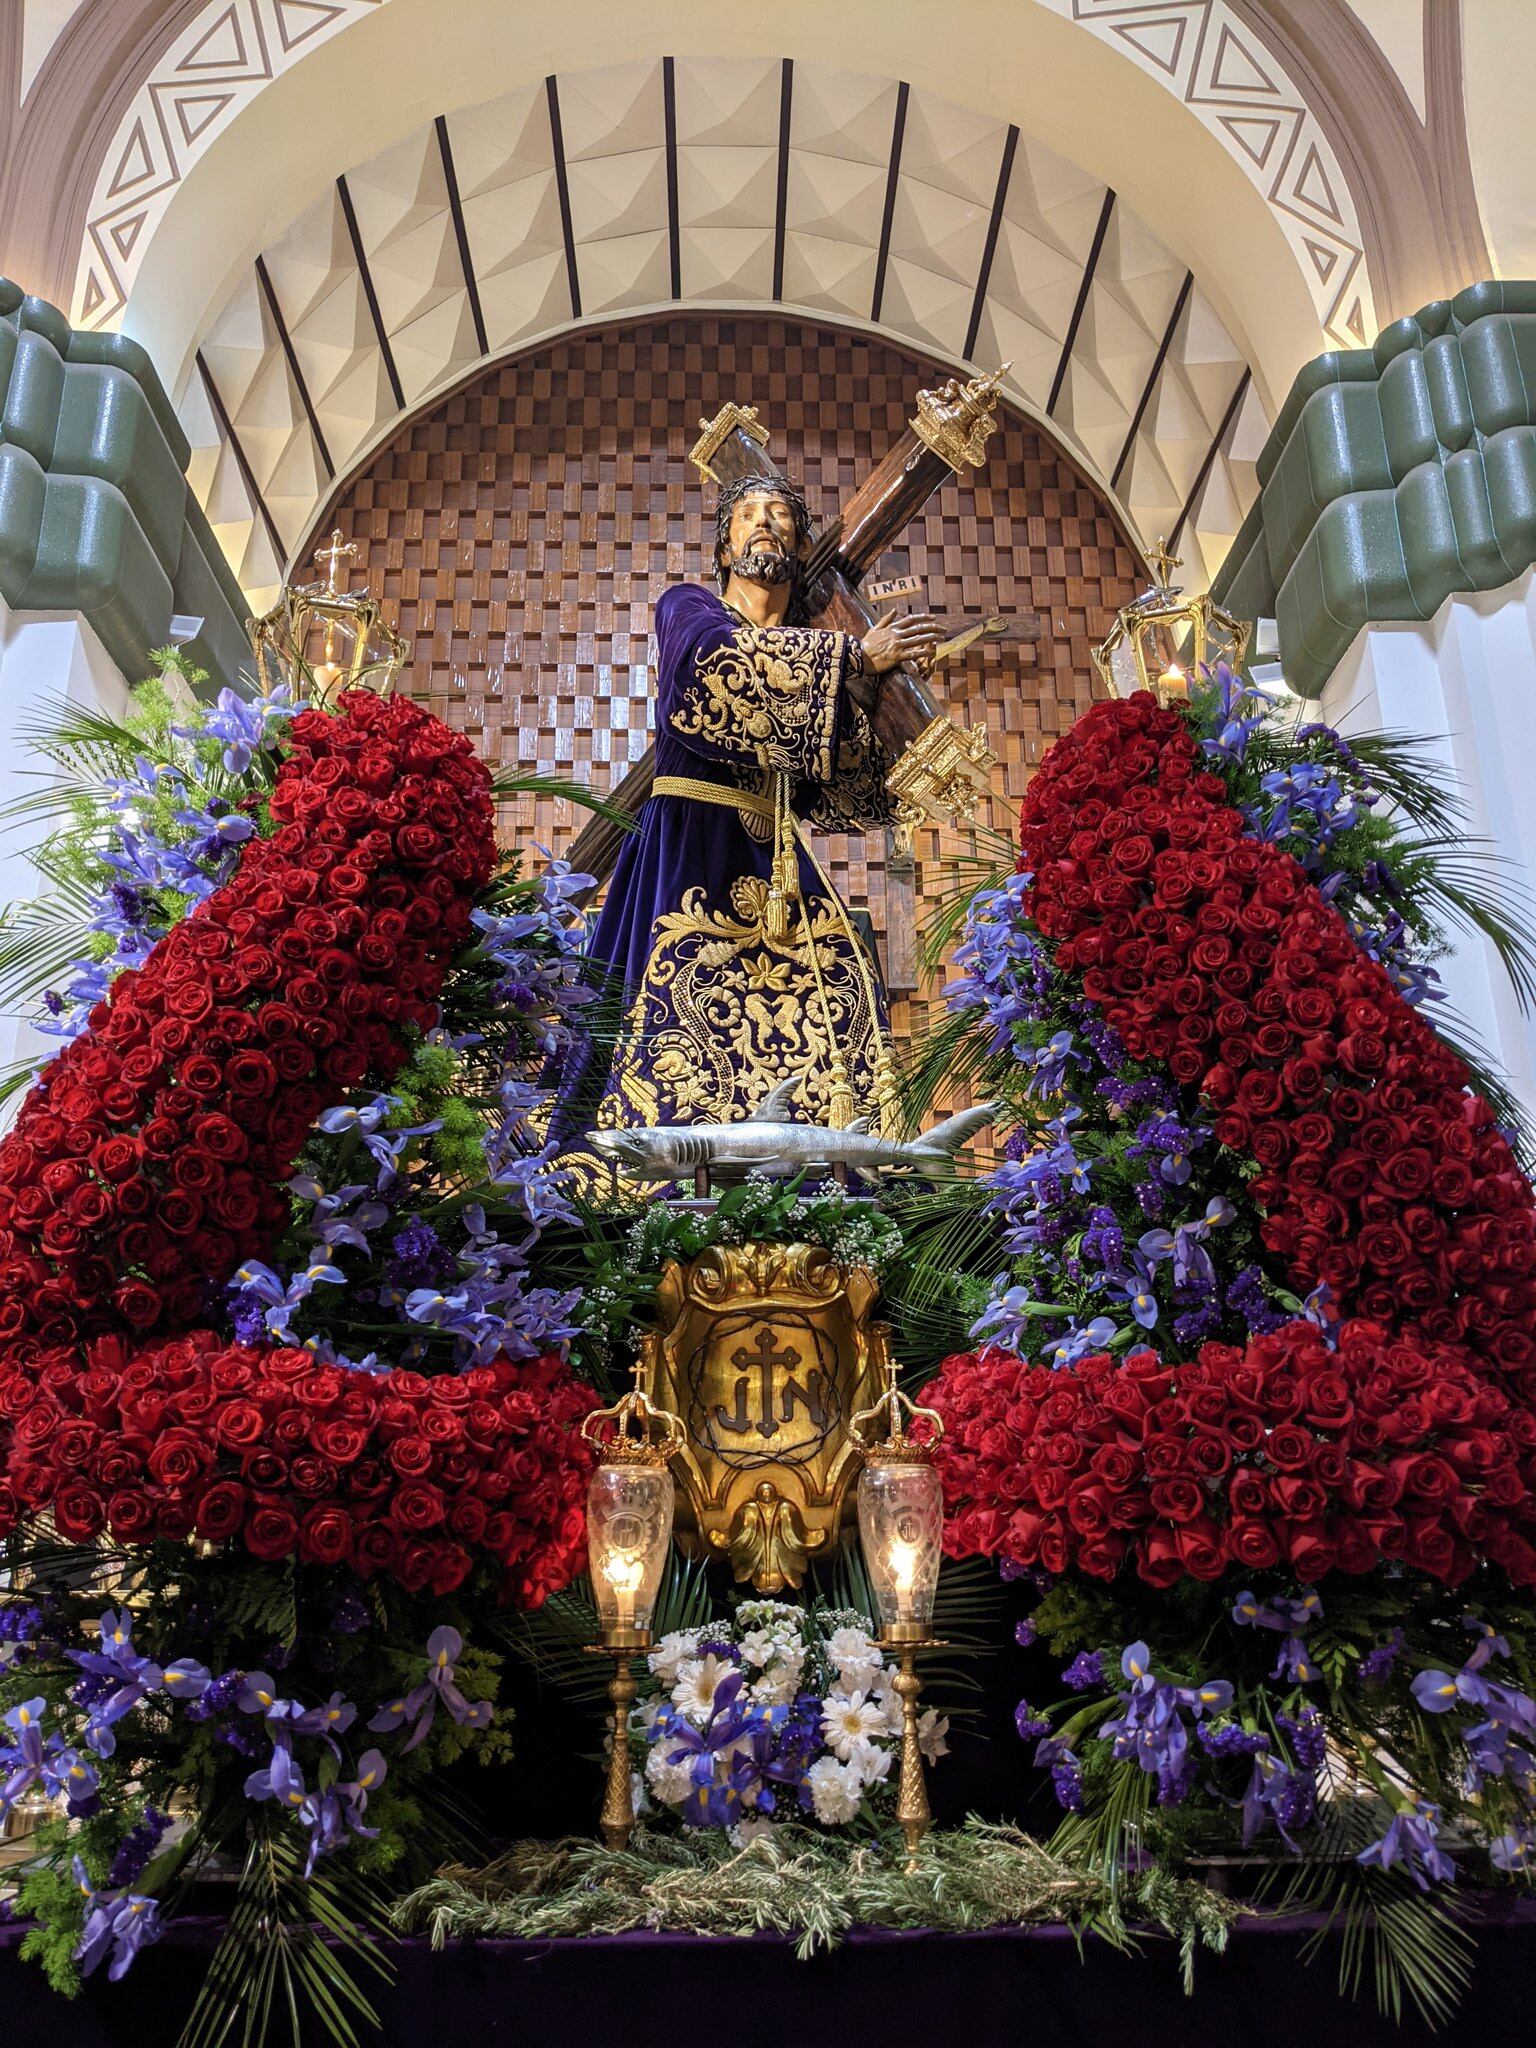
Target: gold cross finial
x: 1164, y: 563
x: 333, y: 557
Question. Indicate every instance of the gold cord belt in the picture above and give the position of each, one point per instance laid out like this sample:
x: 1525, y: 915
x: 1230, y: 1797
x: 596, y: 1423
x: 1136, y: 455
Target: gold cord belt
x: 714, y: 793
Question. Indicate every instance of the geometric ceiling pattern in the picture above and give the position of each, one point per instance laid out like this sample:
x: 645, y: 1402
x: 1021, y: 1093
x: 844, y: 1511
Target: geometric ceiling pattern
x: 1217, y: 64
x: 732, y: 183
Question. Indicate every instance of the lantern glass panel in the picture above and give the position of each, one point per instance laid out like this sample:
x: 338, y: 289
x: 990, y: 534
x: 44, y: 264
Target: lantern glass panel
x: 901, y: 1522
x: 629, y: 1529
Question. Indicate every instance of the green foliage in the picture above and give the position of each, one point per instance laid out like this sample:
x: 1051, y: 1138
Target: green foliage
x: 807, y: 1887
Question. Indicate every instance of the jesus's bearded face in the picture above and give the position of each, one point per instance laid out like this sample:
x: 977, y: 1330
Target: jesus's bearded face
x: 761, y: 547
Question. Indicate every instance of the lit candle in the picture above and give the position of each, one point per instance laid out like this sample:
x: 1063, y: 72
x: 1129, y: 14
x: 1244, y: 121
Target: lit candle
x: 624, y: 1570
x: 904, y: 1558
x: 1172, y: 677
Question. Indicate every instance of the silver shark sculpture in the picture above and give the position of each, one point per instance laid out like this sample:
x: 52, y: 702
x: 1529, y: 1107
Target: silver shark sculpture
x: 769, y: 1142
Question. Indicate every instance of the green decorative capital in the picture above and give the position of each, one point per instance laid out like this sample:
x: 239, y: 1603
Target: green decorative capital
x: 96, y: 515
x: 1394, y: 476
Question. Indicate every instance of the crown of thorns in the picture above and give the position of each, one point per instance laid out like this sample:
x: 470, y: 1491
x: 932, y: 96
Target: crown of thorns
x: 731, y: 495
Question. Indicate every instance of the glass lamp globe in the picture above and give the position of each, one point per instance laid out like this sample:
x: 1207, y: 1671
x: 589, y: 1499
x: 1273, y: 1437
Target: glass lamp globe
x: 901, y: 1526
x: 629, y: 1529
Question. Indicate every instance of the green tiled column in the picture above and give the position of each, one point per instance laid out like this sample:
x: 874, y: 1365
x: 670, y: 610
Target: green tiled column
x: 96, y: 515
x: 1394, y: 476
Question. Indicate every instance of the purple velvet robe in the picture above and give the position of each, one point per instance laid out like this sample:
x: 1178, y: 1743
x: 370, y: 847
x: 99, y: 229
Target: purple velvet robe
x: 716, y: 1009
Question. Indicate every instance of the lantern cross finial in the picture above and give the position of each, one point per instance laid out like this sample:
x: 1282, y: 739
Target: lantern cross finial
x: 332, y: 557
x: 1164, y: 562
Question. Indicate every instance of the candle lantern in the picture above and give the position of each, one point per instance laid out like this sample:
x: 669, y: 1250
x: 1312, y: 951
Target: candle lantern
x: 320, y: 639
x: 1163, y: 638
x: 629, y: 1532
x: 901, y: 1527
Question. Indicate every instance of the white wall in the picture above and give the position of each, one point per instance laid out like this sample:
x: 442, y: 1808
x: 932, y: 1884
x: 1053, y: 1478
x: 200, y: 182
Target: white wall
x: 1465, y: 681
x: 46, y: 659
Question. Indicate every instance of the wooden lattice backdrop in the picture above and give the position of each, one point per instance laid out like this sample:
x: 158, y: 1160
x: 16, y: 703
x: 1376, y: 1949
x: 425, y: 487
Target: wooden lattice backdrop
x: 521, y: 531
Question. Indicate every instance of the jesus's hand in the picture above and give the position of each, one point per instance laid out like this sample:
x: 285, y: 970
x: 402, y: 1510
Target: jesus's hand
x: 908, y: 641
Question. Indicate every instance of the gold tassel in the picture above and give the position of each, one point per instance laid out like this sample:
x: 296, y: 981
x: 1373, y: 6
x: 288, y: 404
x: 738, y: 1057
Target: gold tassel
x: 784, y: 877
x: 840, y: 1106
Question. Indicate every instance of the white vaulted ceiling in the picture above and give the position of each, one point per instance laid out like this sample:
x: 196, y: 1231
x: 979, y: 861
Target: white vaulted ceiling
x: 722, y: 182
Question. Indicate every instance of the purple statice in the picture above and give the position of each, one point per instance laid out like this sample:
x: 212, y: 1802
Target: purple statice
x: 1103, y: 1240
x: 1245, y: 1296
x: 1085, y: 1671
x: 1230, y: 1738
x: 1029, y: 1723
x: 350, y: 1615
x: 220, y: 1697
x: 1024, y: 1632
x: 728, y: 1653
x: 1307, y: 1736
x: 1196, y: 1324
x: 137, y: 1848
x: 247, y: 1316
x: 1376, y: 1667
x: 1152, y: 1198
x: 95, y: 1687
x: 20, y: 1624
x: 420, y: 1259
x: 1066, y: 1771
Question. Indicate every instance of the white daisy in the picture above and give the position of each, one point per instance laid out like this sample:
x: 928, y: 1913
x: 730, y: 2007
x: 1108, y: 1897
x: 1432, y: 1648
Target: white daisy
x: 836, y: 1791
x: 849, y: 1719
x: 697, y: 1680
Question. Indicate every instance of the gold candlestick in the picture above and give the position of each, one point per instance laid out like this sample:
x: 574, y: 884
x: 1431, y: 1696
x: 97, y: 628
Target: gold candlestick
x: 913, y: 1815
x: 617, y: 1821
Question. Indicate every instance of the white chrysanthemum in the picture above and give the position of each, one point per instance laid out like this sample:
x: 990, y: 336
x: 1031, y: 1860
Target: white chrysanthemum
x: 670, y: 1652
x: 780, y: 1683
x: 849, y: 1719
x: 855, y: 1658
x: 932, y: 1727
x: 836, y: 1791
x: 670, y: 1782
x: 697, y: 1680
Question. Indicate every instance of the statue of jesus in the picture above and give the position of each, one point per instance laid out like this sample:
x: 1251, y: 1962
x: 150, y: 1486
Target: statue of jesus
x: 739, y: 964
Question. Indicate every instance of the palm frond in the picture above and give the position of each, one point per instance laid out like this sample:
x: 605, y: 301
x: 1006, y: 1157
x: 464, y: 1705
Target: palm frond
x: 504, y: 786
x: 41, y: 939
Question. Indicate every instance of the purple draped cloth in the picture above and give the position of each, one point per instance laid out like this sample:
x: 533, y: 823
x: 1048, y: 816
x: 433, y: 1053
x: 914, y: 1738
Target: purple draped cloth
x: 718, y: 1006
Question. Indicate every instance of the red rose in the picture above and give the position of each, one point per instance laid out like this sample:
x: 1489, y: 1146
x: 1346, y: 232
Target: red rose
x: 325, y: 1535
x: 271, y: 1532
x: 221, y: 1511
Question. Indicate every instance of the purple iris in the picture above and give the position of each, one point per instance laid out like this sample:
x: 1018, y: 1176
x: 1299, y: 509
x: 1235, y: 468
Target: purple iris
x: 117, y: 1926
x: 717, y: 1793
x: 1412, y: 1841
x: 131, y: 1677
x: 419, y: 1707
x: 1289, y: 1618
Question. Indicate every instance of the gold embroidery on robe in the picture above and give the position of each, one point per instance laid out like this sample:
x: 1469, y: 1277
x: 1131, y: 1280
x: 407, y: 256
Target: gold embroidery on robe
x: 856, y: 797
x: 771, y: 693
x: 724, y: 1012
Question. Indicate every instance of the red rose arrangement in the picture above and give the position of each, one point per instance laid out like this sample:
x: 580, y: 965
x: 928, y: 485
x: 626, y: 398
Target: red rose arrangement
x: 1386, y: 1449
x: 420, y: 1478
x: 149, y: 1159
x: 1415, y: 1440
